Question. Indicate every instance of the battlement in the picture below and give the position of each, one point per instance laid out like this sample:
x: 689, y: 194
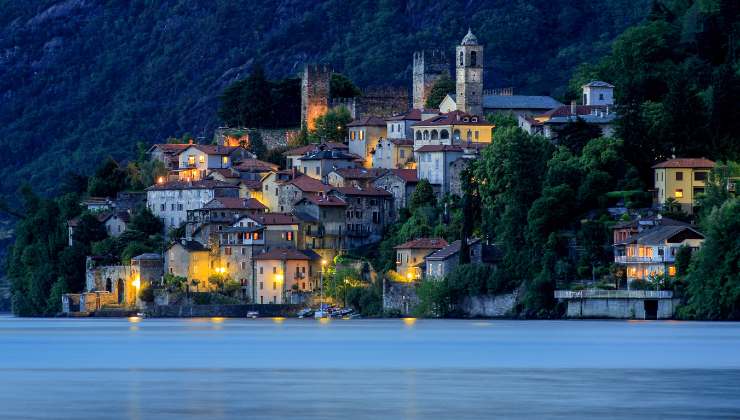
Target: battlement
x: 508, y: 91
x: 431, y: 61
x: 317, y: 69
x: 385, y: 92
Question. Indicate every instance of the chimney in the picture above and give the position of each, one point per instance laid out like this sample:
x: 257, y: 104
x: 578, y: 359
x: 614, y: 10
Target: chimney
x: 190, y: 141
x: 573, y: 107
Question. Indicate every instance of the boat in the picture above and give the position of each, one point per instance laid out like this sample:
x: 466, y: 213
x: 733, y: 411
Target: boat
x: 320, y: 314
x: 253, y: 314
x: 305, y: 312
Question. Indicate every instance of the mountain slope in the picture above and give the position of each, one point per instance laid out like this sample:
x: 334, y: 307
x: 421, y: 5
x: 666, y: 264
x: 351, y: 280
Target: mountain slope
x: 82, y: 79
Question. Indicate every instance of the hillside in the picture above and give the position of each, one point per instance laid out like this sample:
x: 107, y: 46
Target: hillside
x: 82, y: 79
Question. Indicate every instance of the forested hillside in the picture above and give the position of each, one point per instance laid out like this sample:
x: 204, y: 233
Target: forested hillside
x: 83, y: 79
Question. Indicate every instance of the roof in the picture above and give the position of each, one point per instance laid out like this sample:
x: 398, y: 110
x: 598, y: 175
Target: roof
x: 402, y: 142
x: 469, y: 39
x: 256, y: 165
x: 661, y: 234
x: 408, y: 175
x: 519, y: 102
x: 450, y: 250
x: 566, y: 110
x: 284, y: 254
x: 275, y: 219
x: 412, y: 114
x: 376, y: 192
x: 203, y: 184
x: 170, y: 148
x: 225, y: 172
x: 252, y: 184
x: 248, y: 229
x: 360, y: 173
x: 367, y: 122
x: 234, y: 203
x: 316, y: 146
x: 325, y: 200
x: 424, y: 243
x: 440, y: 148
x: 191, y: 246
x: 147, y: 256
x: 686, y: 163
x: 597, y: 83
x: 329, y: 154
x: 213, y: 149
x: 123, y: 215
x: 308, y: 184
x: 452, y: 118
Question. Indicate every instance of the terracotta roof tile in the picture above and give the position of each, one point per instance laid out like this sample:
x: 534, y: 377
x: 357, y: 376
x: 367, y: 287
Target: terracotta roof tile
x: 367, y: 122
x: 204, y: 184
x: 377, y: 192
x: 408, y: 175
x: 440, y: 148
x: 284, y: 254
x: 360, y: 173
x: 424, y: 243
x: 308, y: 184
x: 255, y: 165
x: 235, y: 203
x: 453, y: 118
x: 327, y: 200
x: 314, y: 147
x: 686, y: 163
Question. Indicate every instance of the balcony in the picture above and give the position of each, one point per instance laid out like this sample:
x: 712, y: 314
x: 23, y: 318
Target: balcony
x: 625, y: 259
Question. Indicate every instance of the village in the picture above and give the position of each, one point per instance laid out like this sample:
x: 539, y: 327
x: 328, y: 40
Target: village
x: 270, y: 233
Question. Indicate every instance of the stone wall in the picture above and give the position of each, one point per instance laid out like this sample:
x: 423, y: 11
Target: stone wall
x: 271, y: 137
x: 399, y: 297
x: 494, y: 306
x: 228, y: 311
x: 93, y: 301
x: 618, y: 308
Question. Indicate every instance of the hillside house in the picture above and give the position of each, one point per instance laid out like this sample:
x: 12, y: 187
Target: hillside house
x: 682, y: 179
x: 410, y: 256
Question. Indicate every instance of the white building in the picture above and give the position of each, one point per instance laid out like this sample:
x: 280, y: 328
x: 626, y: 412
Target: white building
x: 170, y: 201
x: 195, y: 161
x: 598, y: 93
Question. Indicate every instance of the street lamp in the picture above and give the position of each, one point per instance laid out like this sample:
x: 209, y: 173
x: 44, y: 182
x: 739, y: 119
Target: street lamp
x: 321, y: 285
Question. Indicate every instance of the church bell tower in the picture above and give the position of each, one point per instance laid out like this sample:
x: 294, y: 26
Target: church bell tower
x: 469, y: 75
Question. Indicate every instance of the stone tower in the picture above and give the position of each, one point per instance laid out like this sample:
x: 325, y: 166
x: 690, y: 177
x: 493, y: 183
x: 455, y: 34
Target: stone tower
x: 315, y: 82
x: 469, y: 75
x: 428, y: 67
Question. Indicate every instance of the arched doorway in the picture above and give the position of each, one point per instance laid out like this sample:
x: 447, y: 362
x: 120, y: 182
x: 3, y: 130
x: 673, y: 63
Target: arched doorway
x: 121, y: 292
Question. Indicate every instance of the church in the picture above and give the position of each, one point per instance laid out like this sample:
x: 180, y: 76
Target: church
x: 470, y: 97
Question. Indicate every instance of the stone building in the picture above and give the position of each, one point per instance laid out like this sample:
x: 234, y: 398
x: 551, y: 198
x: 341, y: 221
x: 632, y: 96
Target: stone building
x: 323, y: 223
x: 170, y: 201
x: 315, y: 93
x: 355, y: 177
x: 292, y: 191
x: 293, y: 156
x: 399, y: 182
x: 368, y: 212
x: 469, y: 75
x: 428, y: 67
x: 217, y: 214
x: 410, y: 256
x: 363, y: 136
x: 318, y: 164
x: 284, y: 273
x: 440, y: 263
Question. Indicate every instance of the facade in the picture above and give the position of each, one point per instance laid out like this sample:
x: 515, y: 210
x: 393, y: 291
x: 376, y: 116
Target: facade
x: 652, y: 253
x: 469, y: 75
x: 323, y: 222
x: 283, y: 273
x: 315, y: 83
x: 192, y: 260
x: 293, y: 156
x: 292, y: 191
x: 197, y: 161
x: 364, y: 135
x: 452, y: 128
x: 354, y: 177
x: 368, y: 212
x: 394, y: 154
x: 598, y: 93
x: 410, y: 256
x: 170, y: 201
x: 167, y: 153
x: 401, y: 183
x: 237, y: 247
x: 428, y: 67
x: 115, y: 222
x: 681, y: 179
x: 317, y: 165
x: 217, y: 214
x: 434, y: 164
x: 441, y: 263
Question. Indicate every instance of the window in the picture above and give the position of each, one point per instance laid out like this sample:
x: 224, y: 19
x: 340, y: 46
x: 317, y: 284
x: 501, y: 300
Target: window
x: 678, y: 193
x: 679, y: 176
x: 398, y: 258
x: 243, y: 265
x: 274, y: 270
x: 473, y: 58
x: 316, y: 170
x: 462, y: 58
x: 262, y: 286
x: 225, y: 160
x: 227, y: 250
x: 672, y: 271
x: 289, y: 236
x: 191, y: 160
x: 700, y: 176
x: 162, y: 207
x: 402, y: 153
x: 444, y: 134
x: 202, y: 159
x: 362, y: 135
x: 305, y: 171
x: 179, y: 207
x: 274, y: 285
x: 244, y: 251
x: 262, y: 270
x: 601, y: 96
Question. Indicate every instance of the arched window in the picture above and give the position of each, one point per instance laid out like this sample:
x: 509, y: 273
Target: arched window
x: 456, y: 134
x: 444, y: 134
x: 426, y: 135
x: 435, y: 135
x: 418, y: 135
x: 473, y: 58
x: 462, y: 56
x: 108, y: 285
x: 470, y: 135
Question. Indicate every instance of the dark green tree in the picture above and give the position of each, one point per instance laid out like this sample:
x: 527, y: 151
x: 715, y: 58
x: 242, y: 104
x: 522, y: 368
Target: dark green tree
x: 440, y: 89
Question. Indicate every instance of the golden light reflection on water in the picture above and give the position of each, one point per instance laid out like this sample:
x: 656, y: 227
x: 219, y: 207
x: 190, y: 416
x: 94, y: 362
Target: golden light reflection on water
x: 409, y: 322
x: 134, y: 319
x: 217, y: 319
x: 133, y: 328
x: 278, y: 319
x: 324, y: 320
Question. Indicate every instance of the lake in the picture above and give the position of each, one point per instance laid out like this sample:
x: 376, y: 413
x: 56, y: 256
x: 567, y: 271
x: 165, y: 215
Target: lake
x: 306, y: 369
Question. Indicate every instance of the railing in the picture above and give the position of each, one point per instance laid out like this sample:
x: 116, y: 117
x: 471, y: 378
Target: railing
x: 613, y: 294
x: 624, y: 259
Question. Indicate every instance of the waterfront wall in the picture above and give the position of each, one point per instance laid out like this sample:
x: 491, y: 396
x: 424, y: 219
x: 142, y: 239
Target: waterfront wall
x: 227, y: 311
x: 489, y: 306
x: 618, y: 308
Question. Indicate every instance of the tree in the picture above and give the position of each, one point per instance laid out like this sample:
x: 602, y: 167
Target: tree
x: 422, y: 196
x: 332, y: 126
x: 109, y: 179
x: 440, y: 89
x: 502, y: 120
x: 256, y: 145
x: 341, y: 86
x: 714, y: 275
x: 576, y: 134
x: 146, y: 222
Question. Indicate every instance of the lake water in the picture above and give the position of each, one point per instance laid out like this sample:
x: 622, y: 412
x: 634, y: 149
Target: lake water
x: 305, y: 369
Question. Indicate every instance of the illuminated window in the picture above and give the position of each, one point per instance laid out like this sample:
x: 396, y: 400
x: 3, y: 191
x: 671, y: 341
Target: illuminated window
x: 678, y: 193
x: 191, y: 160
x: 289, y: 236
x: 672, y: 271
x: 225, y: 160
x: 202, y: 159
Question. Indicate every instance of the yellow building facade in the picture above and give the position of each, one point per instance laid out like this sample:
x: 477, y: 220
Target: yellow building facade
x: 682, y: 180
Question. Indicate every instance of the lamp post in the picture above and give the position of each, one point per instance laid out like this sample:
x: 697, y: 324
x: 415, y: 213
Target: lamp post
x: 321, y: 286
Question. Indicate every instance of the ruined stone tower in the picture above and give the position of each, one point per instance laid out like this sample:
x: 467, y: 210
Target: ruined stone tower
x: 315, y: 82
x: 469, y: 75
x: 428, y: 67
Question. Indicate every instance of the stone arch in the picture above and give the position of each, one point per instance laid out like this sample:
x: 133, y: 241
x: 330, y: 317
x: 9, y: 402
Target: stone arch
x: 456, y: 134
x: 435, y: 135
x: 444, y: 134
x: 418, y: 134
x: 462, y: 58
x: 108, y: 285
x: 121, y: 290
x: 473, y: 58
x: 426, y: 134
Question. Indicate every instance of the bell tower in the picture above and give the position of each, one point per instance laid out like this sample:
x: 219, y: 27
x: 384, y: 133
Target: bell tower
x: 469, y: 75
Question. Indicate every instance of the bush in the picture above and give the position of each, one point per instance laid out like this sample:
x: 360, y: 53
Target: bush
x: 146, y: 294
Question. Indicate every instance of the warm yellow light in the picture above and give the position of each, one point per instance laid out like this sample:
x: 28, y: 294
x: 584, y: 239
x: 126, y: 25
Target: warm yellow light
x: 160, y: 180
x: 136, y: 282
x: 409, y: 321
x: 278, y: 319
x: 323, y: 262
x: 279, y: 278
x: 217, y: 319
x: 410, y: 275
x: 134, y: 319
x: 679, y: 193
x: 221, y: 270
x: 324, y: 320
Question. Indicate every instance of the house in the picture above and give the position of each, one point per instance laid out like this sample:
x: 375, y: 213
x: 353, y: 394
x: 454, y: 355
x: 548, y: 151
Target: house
x: 254, y: 169
x: 452, y: 128
x: 293, y: 156
x: 369, y: 211
x: 167, y: 153
x: 270, y: 185
x: 284, y: 273
x: 197, y: 160
x: 682, y: 179
x: 115, y: 222
x: 434, y: 163
x: 410, y: 256
x: 356, y: 177
x: 323, y: 220
x: 597, y: 92
x: 399, y: 182
x: 441, y: 263
x: 217, y: 214
x: 170, y: 201
x: 237, y: 247
x: 290, y: 192
x: 318, y: 164
x: 399, y: 126
x: 192, y: 260
x: 363, y: 137
x: 249, y: 188
x: 394, y: 153
x: 652, y: 253
x: 97, y: 204
x: 281, y: 230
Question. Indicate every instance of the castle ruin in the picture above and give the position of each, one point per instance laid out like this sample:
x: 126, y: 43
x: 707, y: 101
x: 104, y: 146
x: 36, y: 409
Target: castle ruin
x: 428, y: 67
